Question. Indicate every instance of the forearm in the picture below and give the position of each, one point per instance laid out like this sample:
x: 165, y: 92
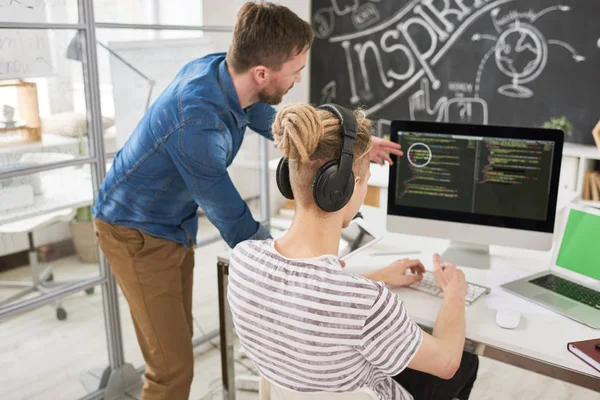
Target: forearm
x: 206, y: 177
x: 450, y: 328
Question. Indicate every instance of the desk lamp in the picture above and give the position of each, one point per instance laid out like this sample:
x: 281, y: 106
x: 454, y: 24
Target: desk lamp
x: 75, y: 52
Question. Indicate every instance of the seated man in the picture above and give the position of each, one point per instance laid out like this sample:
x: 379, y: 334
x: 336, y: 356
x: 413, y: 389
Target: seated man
x: 309, y: 326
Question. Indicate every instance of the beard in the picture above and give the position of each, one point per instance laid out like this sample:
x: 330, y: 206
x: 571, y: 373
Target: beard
x: 274, y: 97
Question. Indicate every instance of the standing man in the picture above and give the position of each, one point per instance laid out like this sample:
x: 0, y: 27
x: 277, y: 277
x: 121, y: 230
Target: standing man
x: 176, y: 160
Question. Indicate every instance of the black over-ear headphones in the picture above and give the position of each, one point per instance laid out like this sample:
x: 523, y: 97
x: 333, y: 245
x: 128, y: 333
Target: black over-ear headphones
x: 333, y: 184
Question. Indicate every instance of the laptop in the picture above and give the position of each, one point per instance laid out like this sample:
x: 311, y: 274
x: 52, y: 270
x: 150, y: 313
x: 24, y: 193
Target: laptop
x: 571, y: 286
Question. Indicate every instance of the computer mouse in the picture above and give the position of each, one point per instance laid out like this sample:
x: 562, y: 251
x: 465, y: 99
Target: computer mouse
x: 507, y: 318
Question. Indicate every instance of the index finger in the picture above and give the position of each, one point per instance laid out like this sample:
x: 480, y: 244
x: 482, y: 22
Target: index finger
x: 437, y: 262
x: 390, y: 144
x: 397, y: 152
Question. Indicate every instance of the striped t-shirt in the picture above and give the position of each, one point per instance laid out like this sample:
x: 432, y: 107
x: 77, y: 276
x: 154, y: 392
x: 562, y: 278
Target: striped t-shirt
x: 309, y: 326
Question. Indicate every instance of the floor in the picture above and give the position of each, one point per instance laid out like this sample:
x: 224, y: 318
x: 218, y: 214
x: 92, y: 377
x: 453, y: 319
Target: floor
x: 43, y: 358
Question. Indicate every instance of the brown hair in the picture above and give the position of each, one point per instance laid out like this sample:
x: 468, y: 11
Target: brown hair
x: 310, y: 137
x: 267, y: 34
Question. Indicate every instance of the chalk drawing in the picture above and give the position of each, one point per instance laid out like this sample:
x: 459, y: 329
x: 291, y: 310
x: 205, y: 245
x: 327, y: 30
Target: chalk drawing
x: 343, y: 7
x: 458, y: 13
x: 354, y: 97
x: 390, y: 49
x: 361, y: 50
x: 323, y: 23
x: 480, y: 69
x: 392, y: 21
x: 442, y: 34
x: 460, y: 108
x: 550, y: 9
x: 419, y: 105
x: 520, y: 51
x: 422, y: 58
x: 328, y: 92
x: 530, y: 44
x: 576, y: 57
x: 365, y: 15
x: 438, y: 54
x: 478, y: 36
x: 472, y: 110
x: 494, y: 14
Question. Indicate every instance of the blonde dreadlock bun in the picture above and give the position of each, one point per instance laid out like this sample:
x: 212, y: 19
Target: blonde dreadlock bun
x: 297, y: 131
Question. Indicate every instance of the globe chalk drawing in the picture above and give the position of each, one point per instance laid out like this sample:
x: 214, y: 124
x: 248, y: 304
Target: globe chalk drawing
x: 520, y: 49
x: 521, y: 54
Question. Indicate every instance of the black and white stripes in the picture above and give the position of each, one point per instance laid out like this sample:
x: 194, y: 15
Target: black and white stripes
x: 309, y: 326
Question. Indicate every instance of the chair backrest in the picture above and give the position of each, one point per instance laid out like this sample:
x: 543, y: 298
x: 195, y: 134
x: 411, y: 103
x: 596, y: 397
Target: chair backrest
x: 271, y: 391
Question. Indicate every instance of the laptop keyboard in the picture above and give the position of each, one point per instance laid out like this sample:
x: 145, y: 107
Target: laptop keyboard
x: 569, y: 289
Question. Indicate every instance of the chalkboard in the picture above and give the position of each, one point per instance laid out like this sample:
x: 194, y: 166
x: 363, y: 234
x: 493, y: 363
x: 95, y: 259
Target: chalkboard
x: 499, y: 62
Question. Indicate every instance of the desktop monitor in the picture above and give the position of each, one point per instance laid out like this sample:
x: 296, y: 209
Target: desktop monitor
x: 477, y: 185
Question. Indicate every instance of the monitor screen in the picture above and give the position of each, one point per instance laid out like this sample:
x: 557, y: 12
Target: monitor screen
x: 487, y: 175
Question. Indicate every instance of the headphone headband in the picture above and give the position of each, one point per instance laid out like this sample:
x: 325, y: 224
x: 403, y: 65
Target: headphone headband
x: 346, y: 117
x: 349, y: 130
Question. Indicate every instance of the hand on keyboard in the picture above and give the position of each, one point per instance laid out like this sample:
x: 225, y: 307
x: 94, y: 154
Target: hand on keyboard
x: 447, y: 280
x: 395, y: 274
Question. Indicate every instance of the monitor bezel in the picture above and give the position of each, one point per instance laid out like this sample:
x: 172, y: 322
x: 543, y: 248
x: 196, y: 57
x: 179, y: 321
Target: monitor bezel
x: 509, y: 132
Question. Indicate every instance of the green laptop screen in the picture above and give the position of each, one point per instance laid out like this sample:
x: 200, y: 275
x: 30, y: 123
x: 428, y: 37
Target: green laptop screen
x: 580, y: 246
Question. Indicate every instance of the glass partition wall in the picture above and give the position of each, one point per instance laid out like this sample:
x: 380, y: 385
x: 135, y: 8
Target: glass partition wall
x: 75, y: 77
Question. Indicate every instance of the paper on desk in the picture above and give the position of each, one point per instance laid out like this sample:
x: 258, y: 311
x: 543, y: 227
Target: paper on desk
x: 500, y: 298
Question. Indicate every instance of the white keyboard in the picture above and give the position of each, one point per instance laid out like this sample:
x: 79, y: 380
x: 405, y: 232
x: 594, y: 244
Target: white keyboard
x: 428, y: 285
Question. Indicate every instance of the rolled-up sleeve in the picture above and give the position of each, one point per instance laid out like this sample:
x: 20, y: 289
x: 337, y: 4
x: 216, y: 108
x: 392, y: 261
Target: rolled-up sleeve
x: 260, y: 119
x: 200, y: 155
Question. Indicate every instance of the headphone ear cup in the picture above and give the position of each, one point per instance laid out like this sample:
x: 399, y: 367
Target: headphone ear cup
x: 283, y: 178
x: 328, y: 199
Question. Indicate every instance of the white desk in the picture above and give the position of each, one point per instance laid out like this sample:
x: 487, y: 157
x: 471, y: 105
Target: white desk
x: 63, y: 188
x: 542, y: 335
x: 538, y: 344
x: 13, y: 146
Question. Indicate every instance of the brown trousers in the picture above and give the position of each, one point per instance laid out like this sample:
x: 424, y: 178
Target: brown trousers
x: 156, y: 277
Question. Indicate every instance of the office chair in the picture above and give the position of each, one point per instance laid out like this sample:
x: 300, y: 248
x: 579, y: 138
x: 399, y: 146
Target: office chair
x: 271, y: 391
x: 43, y: 281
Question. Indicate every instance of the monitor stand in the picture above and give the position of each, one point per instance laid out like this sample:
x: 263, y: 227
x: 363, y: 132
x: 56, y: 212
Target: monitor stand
x: 468, y: 255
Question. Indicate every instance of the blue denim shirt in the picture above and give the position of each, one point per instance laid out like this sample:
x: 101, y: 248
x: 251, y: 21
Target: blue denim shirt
x: 177, y: 157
